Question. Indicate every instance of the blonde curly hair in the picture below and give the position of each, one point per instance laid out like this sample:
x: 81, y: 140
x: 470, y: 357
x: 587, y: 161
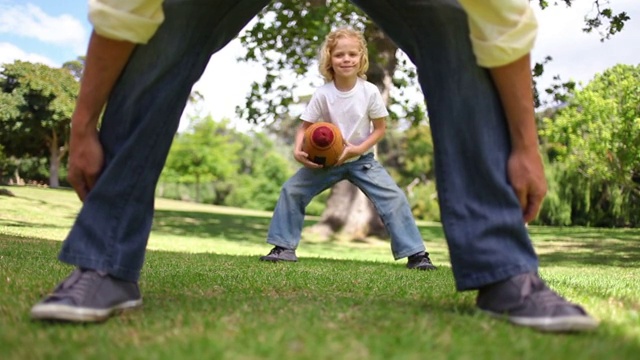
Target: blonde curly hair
x: 330, y: 42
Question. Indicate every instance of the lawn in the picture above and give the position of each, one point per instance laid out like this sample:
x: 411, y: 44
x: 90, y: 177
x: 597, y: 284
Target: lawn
x: 206, y: 295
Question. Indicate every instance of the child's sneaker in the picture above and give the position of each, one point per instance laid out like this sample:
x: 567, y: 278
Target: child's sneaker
x: 280, y: 254
x: 420, y: 261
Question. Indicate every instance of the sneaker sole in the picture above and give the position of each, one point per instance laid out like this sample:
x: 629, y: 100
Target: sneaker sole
x: 264, y: 258
x: 551, y: 324
x: 422, y: 268
x: 78, y: 314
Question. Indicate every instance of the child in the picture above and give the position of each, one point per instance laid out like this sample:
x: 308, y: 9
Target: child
x: 353, y: 104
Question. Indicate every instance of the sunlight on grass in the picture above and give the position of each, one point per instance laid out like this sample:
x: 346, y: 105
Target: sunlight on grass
x: 207, y: 295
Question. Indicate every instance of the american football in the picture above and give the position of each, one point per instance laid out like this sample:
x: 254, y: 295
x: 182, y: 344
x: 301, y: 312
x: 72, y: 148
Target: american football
x: 324, y: 143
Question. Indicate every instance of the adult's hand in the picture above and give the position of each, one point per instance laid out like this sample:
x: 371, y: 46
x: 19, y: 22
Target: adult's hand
x: 86, y: 158
x: 526, y: 174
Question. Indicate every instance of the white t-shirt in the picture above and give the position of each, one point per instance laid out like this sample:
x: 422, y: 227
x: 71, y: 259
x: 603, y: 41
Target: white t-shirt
x: 352, y: 111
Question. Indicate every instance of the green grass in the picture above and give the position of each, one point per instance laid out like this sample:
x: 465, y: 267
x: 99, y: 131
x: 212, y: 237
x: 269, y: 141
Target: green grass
x: 208, y: 297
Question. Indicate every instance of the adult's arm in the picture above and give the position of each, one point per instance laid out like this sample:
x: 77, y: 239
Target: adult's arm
x: 104, y: 63
x: 118, y: 26
x: 502, y: 34
x: 525, y: 168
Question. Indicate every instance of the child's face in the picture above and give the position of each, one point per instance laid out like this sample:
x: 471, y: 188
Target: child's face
x: 345, y: 58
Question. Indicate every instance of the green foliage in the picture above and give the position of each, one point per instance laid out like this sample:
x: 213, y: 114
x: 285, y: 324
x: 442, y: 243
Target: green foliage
x: 259, y: 189
x: 417, y: 161
x: 36, y: 103
x: 408, y: 156
x: 602, y: 16
x: 31, y: 169
x: 423, y: 199
x: 597, y: 139
x: 212, y: 163
x: 204, y: 153
x: 75, y: 67
x: 3, y: 164
x: 556, y: 210
x: 287, y: 36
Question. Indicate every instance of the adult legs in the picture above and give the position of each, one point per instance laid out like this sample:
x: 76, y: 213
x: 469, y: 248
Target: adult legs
x: 111, y: 231
x: 481, y: 215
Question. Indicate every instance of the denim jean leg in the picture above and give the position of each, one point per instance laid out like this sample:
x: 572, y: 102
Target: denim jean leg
x: 286, y: 225
x: 391, y: 204
x: 481, y: 216
x: 141, y: 118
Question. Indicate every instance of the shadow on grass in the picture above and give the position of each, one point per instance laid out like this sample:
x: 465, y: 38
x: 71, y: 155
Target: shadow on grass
x: 555, y: 246
x: 235, y: 227
x: 240, y: 228
x: 588, y: 246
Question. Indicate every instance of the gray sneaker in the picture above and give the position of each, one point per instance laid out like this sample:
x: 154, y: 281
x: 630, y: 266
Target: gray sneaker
x: 280, y: 254
x: 420, y: 261
x: 87, y: 296
x: 526, y: 300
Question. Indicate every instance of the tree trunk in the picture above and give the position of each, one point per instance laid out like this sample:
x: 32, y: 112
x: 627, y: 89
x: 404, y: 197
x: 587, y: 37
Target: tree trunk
x: 349, y: 214
x: 198, y: 188
x: 54, y: 161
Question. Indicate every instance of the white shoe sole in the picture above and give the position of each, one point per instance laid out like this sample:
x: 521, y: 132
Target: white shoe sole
x: 576, y: 323
x: 79, y: 314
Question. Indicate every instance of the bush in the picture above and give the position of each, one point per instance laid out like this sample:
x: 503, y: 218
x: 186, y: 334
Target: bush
x: 423, y: 200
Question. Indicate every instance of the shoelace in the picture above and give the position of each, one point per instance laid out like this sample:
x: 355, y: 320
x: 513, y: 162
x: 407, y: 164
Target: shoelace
x: 541, y: 294
x: 75, y: 286
x: 276, y: 251
x: 547, y: 297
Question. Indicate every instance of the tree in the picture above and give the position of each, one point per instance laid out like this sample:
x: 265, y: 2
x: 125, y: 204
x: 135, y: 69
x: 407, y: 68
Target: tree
x: 76, y: 67
x: 36, y: 104
x: 286, y: 37
x: 603, y: 20
x: 596, y: 136
x: 203, y: 153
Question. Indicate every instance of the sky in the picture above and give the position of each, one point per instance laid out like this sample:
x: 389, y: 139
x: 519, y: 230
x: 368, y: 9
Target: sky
x: 52, y: 32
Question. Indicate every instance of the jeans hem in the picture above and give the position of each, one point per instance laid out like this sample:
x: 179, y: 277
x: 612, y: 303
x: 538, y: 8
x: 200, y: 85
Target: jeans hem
x: 280, y: 243
x: 476, y: 281
x: 408, y: 253
x: 99, y: 265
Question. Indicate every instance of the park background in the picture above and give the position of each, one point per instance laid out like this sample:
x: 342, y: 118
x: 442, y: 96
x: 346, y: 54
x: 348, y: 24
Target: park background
x: 232, y: 154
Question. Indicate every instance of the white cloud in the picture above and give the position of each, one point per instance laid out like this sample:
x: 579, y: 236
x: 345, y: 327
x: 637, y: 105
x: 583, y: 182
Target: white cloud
x: 31, y: 22
x: 9, y: 53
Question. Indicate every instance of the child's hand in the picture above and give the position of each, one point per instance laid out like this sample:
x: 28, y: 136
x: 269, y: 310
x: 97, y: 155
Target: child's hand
x: 350, y: 151
x: 303, y: 158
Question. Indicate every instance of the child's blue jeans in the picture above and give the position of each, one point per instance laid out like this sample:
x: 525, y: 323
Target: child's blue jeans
x: 369, y: 176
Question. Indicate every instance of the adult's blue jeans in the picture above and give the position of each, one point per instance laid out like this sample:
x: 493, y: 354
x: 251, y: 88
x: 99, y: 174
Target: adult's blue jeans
x: 139, y: 123
x: 371, y: 178
x: 481, y: 216
x: 480, y: 212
